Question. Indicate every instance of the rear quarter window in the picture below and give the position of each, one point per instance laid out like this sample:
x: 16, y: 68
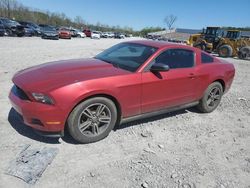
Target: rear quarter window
x: 206, y: 58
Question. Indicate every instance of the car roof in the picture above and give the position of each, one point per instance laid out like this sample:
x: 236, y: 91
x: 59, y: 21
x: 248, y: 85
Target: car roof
x: 160, y: 44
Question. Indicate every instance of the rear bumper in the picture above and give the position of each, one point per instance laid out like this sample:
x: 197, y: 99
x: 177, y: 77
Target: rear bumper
x: 41, y: 117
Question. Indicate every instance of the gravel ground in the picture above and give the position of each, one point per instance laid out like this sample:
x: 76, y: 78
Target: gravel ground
x: 180, y: 149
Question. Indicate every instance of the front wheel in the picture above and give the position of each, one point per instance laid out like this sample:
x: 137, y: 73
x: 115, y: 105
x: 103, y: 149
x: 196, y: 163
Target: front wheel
x: 201, y: 46
x: 225, y: 51
x: 211, y: 98
x: 92, y: 120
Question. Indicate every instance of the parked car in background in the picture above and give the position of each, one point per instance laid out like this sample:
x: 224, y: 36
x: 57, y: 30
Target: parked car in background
x: 95, y: 35
x: 80, y: 34
x: 128, y: 35
x: 64, y: 33
x: 73, y: 32
x: 87, y: 32
x: 119, y: 36
x: 49, y: 32
x: 2, y: 30
x: 12, y: 28
x: 128, y: 81
x: 29, y: 31
x: 31, y: 25
x: 107, y: 35
x: 104, y: 35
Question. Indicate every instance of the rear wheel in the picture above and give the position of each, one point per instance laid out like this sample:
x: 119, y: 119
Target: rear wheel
x: 92, y: 120
x: 225, y: 51
x: 211, y: 98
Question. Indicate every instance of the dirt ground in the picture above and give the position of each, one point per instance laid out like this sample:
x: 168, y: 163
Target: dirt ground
x: 180, y: 149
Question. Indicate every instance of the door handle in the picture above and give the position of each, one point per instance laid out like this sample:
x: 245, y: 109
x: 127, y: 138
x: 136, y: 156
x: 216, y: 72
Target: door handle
x: 191, y: 75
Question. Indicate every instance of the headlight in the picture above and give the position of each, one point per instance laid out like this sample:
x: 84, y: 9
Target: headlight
x: 39, y: 97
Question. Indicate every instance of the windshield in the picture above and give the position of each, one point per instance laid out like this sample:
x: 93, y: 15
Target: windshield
x: 47, y: 28
x: 33, y: 25
x: 5, y: 20
x: 212, y: 31
x: 128, y: 56
x: 233, y: 34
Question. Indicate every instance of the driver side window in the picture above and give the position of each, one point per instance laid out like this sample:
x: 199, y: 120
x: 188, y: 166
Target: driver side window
x: 177, y: 58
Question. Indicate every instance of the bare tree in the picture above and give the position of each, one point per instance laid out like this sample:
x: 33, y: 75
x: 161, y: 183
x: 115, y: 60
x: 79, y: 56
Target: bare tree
x: 79, y: 21
x: 170, y: 20
x: 7, y: 7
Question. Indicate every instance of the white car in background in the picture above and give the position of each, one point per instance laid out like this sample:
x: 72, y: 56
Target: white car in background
x: 107, y: 35
x: 95, y: 35
x: 80, y: 34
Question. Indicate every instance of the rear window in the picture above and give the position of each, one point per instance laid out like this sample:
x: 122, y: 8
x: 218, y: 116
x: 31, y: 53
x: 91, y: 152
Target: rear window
x: 206, y: 58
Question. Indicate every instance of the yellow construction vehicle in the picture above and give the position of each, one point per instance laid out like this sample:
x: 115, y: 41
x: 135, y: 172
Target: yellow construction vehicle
x: 234, y: 45
x: 207, y: 40
x: 193, y: 38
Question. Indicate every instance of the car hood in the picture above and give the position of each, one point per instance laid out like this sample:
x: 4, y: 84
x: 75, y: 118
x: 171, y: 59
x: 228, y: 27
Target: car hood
x: 49, y: 76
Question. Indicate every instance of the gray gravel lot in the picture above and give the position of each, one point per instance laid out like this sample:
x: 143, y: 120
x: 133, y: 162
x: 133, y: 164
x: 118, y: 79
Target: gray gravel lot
x: 180, y: 149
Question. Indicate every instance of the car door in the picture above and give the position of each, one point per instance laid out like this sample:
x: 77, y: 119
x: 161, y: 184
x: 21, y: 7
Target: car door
x: 171, y: 88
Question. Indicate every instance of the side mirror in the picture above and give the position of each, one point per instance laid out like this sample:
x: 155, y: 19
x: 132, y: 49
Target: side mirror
x: 159, y: 67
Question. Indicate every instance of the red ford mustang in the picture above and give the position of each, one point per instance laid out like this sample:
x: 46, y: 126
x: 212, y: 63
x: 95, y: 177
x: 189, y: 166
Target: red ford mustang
x: 128, y: 81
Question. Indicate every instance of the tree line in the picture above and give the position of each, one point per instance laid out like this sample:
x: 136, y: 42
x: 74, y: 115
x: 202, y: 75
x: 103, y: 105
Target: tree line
x: 15, y: 10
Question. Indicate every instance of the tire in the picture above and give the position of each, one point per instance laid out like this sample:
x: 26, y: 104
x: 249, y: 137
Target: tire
x: 201, y: 46
x: 225, y: 51
x: 244, y: 52
x: 20, y: 34
x: 87, y: 124
x: 211, y: 98
x: 9, y: 32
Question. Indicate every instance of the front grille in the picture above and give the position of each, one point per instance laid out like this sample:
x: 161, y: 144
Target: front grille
x: 19, y: 93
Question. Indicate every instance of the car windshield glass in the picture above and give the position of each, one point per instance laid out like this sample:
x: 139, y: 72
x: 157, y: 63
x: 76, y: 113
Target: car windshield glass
x: 49, y: 29
x: 33, y: 25
x: 128, y: 56
x: 64, y: 29
x: 6, y: 21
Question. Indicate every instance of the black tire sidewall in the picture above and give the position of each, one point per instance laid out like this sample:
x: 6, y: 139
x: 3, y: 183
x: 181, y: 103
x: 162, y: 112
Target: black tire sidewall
x: 203, y: 102
x: 229, y: 51
x: 73, y: 120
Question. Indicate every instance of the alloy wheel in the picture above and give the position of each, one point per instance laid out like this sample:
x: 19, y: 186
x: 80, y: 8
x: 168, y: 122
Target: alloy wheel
x: 214, y: 96
x: 94, y: 119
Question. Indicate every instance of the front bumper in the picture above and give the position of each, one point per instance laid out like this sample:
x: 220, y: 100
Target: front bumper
x: 55, y: 37
x: 65, y: 36
x: 42, y: 117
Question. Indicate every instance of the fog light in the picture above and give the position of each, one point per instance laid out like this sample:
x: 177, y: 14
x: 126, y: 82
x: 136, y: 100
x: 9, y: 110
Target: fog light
x: 53, y: 122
